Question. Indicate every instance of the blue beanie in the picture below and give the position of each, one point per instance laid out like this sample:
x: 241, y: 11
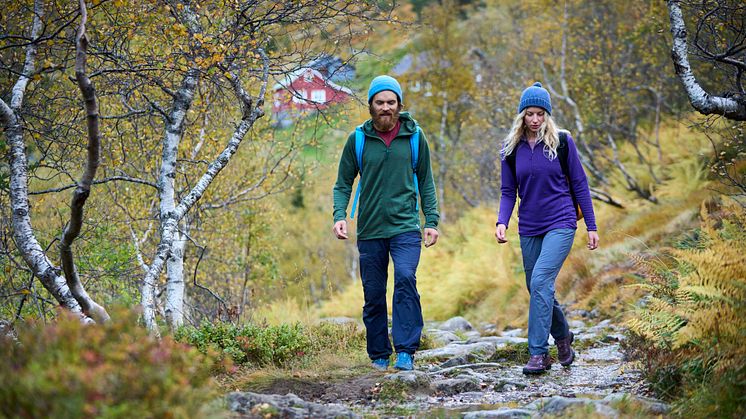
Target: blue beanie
x: 382, y: 83
x: 535, y: 96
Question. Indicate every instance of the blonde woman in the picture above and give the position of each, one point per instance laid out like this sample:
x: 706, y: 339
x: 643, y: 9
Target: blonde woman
x: 540, y: 163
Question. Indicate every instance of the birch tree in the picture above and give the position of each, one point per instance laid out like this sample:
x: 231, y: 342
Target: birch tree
x: 67, y: 289
x: 228, y: 51
x: 719, y: 40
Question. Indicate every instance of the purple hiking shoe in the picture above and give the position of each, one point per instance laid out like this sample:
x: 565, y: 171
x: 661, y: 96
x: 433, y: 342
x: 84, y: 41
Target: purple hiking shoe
x: 565, y: 354
x: 537, y: 364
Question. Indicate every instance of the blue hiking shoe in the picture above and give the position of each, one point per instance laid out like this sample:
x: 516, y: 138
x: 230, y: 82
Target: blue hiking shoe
x: 380, y: 364
x: 404, y: 362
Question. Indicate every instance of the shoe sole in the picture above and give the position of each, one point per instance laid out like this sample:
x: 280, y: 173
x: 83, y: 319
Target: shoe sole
x: 536, y: 372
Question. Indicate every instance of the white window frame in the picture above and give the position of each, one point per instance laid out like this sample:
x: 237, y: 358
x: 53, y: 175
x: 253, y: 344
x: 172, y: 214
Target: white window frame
x: 318, y: 96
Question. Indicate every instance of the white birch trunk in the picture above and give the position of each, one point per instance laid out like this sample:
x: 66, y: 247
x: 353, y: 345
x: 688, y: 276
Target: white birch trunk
x: 23, y: 233
x: 702, y: 101
x: 175, y: 282
x: 167, y: 174
x: 251, y: 112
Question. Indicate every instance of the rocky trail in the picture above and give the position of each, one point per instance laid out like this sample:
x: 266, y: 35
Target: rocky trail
x: 474, y: 373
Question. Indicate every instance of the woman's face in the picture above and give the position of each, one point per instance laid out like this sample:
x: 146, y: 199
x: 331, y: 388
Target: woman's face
x: 534, y: 118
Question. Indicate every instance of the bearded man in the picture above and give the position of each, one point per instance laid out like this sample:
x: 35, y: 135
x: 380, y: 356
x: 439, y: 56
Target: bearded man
x: 393, y: 167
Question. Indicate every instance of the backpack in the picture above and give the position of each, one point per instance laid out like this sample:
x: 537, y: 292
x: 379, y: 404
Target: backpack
x: 414, y: 145
x: 562, y: 153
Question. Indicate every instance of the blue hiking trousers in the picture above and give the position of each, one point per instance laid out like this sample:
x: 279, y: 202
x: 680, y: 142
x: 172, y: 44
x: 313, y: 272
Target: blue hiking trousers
x: 543, y: 257
x: 406, y: 327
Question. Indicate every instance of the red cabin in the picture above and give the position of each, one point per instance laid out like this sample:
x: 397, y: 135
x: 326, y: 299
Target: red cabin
x: 306, y: 89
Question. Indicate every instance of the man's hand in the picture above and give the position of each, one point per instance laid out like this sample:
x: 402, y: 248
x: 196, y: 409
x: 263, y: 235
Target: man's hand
x: 340, y: 229
x: 431, y: 236
x: 500, y: 233
x: 592, y: 240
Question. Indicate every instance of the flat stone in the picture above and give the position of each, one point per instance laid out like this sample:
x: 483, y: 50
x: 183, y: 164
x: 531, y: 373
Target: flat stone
x: 471, y: 334
x: 451, y: 386
x: 512, y: 332
x: 473, y: 352
x: 288, y: 406
x: 416, y: 380
x: 499, y: 341
x: 652, y: 406
x: 559, y: 405
x: 502, y: 413
x: 602, y: 354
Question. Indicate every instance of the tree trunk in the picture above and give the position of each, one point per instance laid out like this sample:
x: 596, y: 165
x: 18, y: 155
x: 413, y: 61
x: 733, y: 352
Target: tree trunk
x: 175, y: 282
x: 72, y: 230
x: 252, y: 110
x: 23, y: 233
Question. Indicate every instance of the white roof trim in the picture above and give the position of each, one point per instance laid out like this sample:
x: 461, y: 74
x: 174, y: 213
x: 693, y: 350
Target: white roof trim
x: 290, y: 78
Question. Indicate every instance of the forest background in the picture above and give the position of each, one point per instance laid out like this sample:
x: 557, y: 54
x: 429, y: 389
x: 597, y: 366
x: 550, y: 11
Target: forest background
x: 140, y: 171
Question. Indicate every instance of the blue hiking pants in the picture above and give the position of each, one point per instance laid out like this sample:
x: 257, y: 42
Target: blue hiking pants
x: 543, y: 257
x: 406, y: 327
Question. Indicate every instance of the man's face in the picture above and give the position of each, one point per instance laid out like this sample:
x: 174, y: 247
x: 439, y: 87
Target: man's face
x: 384, y: 109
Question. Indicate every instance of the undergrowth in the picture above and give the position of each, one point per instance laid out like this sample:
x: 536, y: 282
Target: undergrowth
x: 688, y: 332
x: 116, y: 370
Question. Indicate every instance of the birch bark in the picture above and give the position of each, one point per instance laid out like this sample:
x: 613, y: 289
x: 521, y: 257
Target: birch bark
x: 252, y: 110
x: 23, y: 233
x: 702, y: 101
x: 83, y: 190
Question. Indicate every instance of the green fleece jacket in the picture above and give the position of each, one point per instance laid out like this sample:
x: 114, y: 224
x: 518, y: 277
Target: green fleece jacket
x: 387, y: 203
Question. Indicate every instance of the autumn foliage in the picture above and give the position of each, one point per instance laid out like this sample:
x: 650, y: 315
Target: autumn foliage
x: 66, y: 369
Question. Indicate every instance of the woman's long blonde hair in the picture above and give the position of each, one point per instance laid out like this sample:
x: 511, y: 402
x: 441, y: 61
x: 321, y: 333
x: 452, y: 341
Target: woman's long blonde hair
x: 548, y: 134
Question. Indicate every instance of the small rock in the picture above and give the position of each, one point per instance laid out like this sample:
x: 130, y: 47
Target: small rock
x: 602, y: 354
x: 456, y: 323
x: 415, y: 380
x: 474, y: 352
x: 502, y: 413
x: 559, y: 406
x: 288, y: 406
x: 442, y: 337
x: 451, y: 386
x: 500, y: 341
x: 489, y: 328
x: 652, y: 406
x: 509, y: 385
x: 472, y: 334
x: 576, y: 324
x: 512, y: 333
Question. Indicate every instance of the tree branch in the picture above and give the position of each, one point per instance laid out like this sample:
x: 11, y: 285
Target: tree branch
x: 702, y: 101
x: 80, y: 196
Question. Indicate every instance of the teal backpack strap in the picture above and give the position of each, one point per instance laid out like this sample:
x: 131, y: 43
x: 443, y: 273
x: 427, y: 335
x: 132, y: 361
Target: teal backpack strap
x: 359, y: 144
x: 414, y: 145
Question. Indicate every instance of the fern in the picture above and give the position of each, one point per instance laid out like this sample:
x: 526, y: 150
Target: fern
x: 697, y: 309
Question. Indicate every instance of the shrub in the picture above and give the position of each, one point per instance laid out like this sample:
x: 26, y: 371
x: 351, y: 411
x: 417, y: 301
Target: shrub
x: 66, y: 369
x: 272, y: 345
x: 250, y: 344
x: 689, y: 333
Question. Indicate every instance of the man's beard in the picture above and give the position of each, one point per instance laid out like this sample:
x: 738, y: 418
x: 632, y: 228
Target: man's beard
x: 384, y: 123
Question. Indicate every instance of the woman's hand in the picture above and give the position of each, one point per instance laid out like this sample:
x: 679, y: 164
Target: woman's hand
x: 500, y: 233
x: 592, y: 240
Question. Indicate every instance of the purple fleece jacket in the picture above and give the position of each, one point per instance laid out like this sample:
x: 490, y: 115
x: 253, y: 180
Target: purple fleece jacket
x: 546, y: 203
